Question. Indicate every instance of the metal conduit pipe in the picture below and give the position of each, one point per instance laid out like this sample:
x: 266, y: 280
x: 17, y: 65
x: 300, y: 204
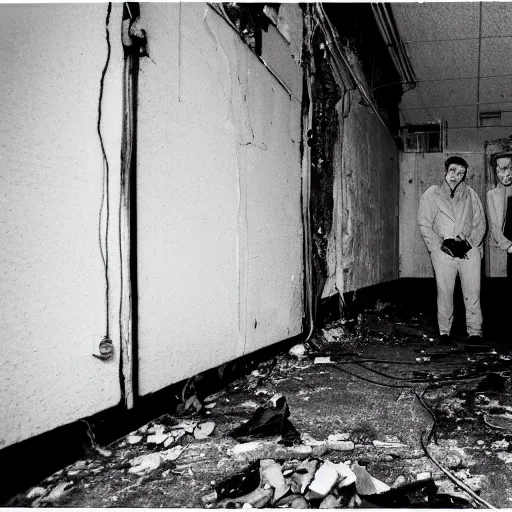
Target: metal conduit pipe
x: 389, y: 31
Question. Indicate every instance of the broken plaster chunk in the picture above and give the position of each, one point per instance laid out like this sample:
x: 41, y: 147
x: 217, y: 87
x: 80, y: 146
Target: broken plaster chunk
x: 310, y: 441
x: 334, y: 446
x: 298, y: 351
x: 346, y: 475
x: 330, y: 502
x: 506, y: 457
x: 399, y: 481
x: 102, y: 451
x: 271, y: 474
x: 269, y: 450
x: 156, y: 429
x: 386, y: 444
x: 57, y: 492
x: 209, y: 498
x: 366, y: 484
x: 203, y: 430
x: 172, y: 453
x: 246, y: 447
x: 345, y: 436
x: 145, y: 463
x: 323, y: 360
x: 303, y: 476
x: 250, y: 404
x: 36, y: 492
x: 324, y: 480
x: 133, y: 439
x: 425, y: 475
x: 500, y: 445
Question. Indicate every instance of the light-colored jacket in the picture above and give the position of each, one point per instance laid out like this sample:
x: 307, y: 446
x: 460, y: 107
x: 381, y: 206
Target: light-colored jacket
x: 496, y: 208
x: 440, y: 216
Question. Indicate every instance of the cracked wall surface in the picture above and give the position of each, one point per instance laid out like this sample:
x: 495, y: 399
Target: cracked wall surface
x: 219, y: 184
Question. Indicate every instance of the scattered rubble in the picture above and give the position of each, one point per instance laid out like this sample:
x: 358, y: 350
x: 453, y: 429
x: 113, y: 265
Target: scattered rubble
x: 310, y: 469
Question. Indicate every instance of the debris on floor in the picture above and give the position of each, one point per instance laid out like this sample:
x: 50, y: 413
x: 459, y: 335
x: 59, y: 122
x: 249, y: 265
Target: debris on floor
x: 269, y: 419
x: 315, y: 483
x: 335, y: 423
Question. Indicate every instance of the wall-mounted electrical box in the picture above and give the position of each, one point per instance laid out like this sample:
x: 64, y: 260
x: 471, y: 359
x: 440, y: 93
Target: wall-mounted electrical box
x: 424, y: 138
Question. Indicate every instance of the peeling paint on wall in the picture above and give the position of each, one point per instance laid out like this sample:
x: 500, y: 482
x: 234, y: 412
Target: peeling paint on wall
x: 325, y: 95
x: 219, y: 184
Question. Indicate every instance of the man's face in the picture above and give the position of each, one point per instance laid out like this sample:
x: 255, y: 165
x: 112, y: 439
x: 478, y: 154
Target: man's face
x: 504, y: 170
x: 454, y: 175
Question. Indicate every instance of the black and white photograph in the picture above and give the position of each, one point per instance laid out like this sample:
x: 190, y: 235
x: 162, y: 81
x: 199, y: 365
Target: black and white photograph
x: 256, y: 255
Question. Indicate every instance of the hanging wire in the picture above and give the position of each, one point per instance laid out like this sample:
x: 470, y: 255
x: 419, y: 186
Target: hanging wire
x: 105, y: 200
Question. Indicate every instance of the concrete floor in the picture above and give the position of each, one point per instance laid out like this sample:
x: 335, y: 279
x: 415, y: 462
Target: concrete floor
x: 324, y: 400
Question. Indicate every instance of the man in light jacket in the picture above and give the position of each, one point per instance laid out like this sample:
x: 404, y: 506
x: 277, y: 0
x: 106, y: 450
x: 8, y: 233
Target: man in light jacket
x: 499, y: 207
x: 452, y: 222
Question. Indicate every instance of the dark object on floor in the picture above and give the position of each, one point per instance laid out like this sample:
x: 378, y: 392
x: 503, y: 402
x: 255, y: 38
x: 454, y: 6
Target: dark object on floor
x: 269, y: 420
x: 445, y: 340
x: 406, y: 330
x: 492, y: 382
x: 411, y: 495
x: 239, y: 484
x: 474, y: 341
x: 442, y: 500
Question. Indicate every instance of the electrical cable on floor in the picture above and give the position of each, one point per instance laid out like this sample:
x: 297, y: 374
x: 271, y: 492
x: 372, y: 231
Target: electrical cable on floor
x: 105, y: 200
x: 402, y: 386
x: 448, y: 473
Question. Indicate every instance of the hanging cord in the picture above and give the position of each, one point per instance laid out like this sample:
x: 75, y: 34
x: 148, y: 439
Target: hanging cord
x: 106, y: 344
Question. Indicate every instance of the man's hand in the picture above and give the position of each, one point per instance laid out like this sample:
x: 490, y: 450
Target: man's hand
x: 449, y: 246
x: 509, y: 250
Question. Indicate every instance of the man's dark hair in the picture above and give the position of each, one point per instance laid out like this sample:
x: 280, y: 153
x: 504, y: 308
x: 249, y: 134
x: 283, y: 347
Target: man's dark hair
x: 495, y: 157
x: 455, y: 160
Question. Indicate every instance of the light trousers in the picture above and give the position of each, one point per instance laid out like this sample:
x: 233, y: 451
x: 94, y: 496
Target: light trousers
x: 446, y: 268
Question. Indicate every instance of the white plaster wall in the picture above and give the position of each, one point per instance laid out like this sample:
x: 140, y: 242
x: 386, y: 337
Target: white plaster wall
x: 218, y: 184
x: 52, y: 278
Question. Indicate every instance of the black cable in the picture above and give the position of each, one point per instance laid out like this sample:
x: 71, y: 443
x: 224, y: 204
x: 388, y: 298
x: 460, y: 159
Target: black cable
x: 106, y: 178
x: 387, y: 375
x: 448, y: 473
x: 402, y: 386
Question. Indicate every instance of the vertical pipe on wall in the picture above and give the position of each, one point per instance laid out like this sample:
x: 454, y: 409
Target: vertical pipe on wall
x: 127, y: 211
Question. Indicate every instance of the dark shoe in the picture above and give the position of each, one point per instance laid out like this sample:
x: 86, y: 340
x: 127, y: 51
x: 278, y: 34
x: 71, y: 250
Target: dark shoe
x: 474, y: 341
x: 445, y: 340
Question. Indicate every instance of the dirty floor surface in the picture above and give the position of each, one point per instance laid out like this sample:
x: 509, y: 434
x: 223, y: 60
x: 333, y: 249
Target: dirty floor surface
x: 358, y: 383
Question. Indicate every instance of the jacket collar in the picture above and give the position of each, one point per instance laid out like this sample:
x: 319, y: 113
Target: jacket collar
x: 446, y: 191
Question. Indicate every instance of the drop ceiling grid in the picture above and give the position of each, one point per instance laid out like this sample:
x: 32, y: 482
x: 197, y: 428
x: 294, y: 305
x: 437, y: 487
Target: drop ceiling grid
x: 442, y: 40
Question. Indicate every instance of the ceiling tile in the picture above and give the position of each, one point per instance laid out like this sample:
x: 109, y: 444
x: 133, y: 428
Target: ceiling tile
x: 449, y: 92
x: 434, y: 21
x: 444, y: 59
x: 495, y: 90
x: 496, y: 19
x: 496, y: 57
x: 456, y: 117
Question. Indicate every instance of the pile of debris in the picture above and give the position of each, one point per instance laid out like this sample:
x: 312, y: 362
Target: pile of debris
x: 317, y: 483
